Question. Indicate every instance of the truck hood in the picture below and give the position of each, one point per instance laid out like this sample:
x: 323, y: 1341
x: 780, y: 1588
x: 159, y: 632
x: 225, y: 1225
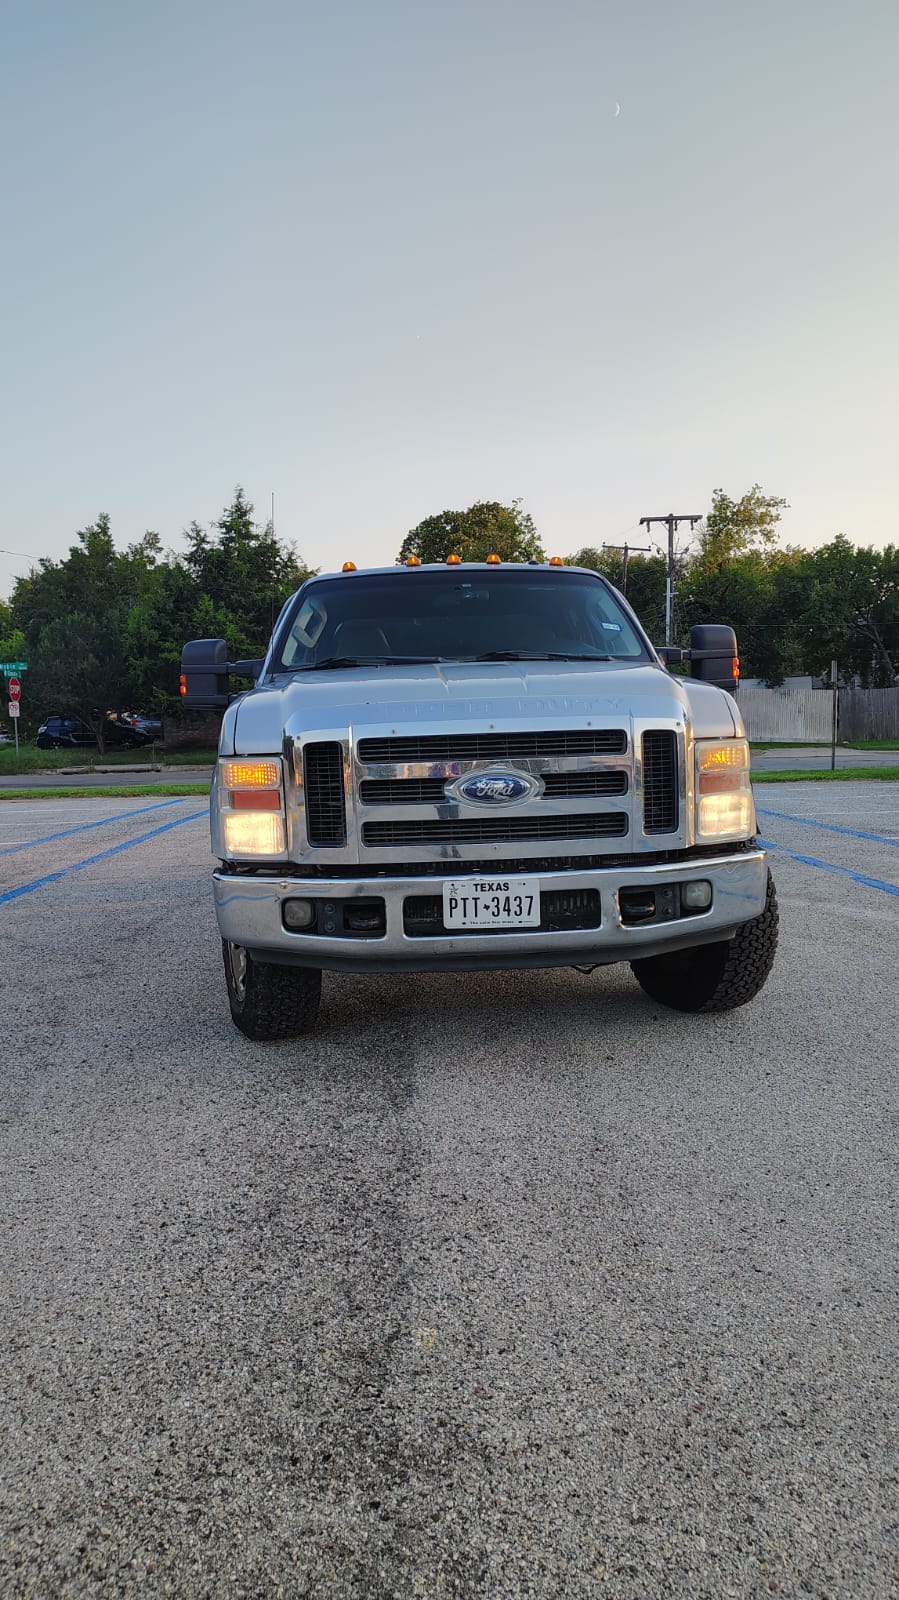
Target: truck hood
x: 438, y: 695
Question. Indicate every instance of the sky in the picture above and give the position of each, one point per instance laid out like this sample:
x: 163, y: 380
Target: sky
x: 381, y: 259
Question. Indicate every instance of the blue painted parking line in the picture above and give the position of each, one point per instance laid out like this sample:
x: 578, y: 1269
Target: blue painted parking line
x: 832, y: 827
x: 78, y: 866
x: 85, y: 827
x: 828, y: 866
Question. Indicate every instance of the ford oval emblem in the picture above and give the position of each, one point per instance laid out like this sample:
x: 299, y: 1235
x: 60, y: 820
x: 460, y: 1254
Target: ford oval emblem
x: 494, y: 788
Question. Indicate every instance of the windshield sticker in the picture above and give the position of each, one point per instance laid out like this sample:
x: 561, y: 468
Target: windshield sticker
x: 611, y: 627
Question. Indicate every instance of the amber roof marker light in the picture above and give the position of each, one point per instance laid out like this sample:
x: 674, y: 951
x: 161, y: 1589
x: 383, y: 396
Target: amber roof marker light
x: 413, y: 561
x: 493, y: 560
x: 348, y: 566
x: 556, y: 561
x: 454, y: 561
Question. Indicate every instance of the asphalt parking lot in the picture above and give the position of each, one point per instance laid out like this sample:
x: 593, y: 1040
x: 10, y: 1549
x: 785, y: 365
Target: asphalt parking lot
x: 501, y: 1285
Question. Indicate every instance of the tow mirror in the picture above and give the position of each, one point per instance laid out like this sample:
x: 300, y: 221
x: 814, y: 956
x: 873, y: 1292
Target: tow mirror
x: 204, y: 673
x: 713, y: 655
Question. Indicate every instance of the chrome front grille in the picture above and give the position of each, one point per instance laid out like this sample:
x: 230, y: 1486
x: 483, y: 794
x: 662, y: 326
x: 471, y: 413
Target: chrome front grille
x: 383, y: 799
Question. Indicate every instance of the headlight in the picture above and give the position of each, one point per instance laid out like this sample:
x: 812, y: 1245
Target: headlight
x: 724, y: 806
x: 251, y: 806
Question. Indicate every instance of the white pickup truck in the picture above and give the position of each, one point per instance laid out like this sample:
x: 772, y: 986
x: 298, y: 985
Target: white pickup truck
x: 478, y: 765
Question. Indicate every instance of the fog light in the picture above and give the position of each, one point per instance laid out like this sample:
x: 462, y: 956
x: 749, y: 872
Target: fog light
x: 696, y: 896
x: 299, y: 913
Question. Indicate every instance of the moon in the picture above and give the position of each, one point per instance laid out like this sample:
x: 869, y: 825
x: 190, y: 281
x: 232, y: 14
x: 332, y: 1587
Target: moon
x: 617, y: 111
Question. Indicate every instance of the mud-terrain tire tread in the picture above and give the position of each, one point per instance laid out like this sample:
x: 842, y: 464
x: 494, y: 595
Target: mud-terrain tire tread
x: 715, y: 977
x: 279, y: 1002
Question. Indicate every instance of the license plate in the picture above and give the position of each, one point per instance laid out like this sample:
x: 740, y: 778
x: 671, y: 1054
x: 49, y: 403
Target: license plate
x: 492, y: 903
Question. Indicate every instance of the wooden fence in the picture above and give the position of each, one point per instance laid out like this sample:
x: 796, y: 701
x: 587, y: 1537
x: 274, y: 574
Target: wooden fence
x: 869, y: 714
x: 803, y: 716
x: 790, y: 716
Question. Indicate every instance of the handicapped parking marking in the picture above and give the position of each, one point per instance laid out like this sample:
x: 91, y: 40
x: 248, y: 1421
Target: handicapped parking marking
x: 78, y: 866
x: 828, y: 866
x: 832, y: 827
x: 85, y: 827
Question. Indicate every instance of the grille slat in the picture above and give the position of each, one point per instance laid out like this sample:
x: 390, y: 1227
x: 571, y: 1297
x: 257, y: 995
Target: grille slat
x: 491, y: 830
x: 432, y: 791
x: 660, y: 781
x: 494, y: 746
x: 325, y: 799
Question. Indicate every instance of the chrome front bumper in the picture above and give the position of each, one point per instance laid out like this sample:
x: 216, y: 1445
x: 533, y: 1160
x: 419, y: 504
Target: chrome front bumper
x: 249, y: 913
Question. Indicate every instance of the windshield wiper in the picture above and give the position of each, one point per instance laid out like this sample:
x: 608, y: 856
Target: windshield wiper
x: 535, y: 655
x: 333, y: 662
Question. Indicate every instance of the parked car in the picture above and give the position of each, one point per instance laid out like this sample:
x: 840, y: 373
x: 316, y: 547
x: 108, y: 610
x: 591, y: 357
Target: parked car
x: 151, y: 726
x: 63, y: 733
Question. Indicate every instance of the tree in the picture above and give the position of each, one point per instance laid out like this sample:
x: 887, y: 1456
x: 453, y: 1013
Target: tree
x: 244, y: 573
x: 485, y: 528
x: 841, y: 603
x: 734, y: 527
x: 73, y: 614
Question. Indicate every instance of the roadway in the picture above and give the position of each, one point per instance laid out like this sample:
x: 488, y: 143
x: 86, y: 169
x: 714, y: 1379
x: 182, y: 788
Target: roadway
x: 501, y: 1285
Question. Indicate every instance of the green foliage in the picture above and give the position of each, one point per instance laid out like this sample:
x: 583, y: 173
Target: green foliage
x: 103, y: 630
x: 734, y: 527
x: 794, y: 611
x: 484, y: 529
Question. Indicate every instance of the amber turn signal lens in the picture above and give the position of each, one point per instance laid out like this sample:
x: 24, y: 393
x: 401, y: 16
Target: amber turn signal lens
x: 249, y: 774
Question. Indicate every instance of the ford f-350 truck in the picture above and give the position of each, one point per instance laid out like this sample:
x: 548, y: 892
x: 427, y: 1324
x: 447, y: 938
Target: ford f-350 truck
x: 467, y: 766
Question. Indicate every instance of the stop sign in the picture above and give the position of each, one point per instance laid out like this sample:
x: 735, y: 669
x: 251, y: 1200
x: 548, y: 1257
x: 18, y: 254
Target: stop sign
x: 15, y: 688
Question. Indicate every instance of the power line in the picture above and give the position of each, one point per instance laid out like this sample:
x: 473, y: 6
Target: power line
x: 672, y: 523
x: 627, y: 551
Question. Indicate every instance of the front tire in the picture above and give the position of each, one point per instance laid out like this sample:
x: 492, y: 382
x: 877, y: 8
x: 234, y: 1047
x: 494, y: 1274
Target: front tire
x: 715, y: 977
x: 269, y: 1001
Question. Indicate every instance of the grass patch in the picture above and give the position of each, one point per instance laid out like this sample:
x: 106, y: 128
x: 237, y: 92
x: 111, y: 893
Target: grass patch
x: 108, y: 791
x: 30, y: 759
x: 842, y: 775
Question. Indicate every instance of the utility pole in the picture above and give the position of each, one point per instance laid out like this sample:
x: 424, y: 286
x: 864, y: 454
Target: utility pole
x: 672, y: 523
x: 274, y: 572
x: 627, y: 550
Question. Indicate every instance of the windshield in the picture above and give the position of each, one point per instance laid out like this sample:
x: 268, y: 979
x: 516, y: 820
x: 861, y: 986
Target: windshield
x: 421, y: 615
